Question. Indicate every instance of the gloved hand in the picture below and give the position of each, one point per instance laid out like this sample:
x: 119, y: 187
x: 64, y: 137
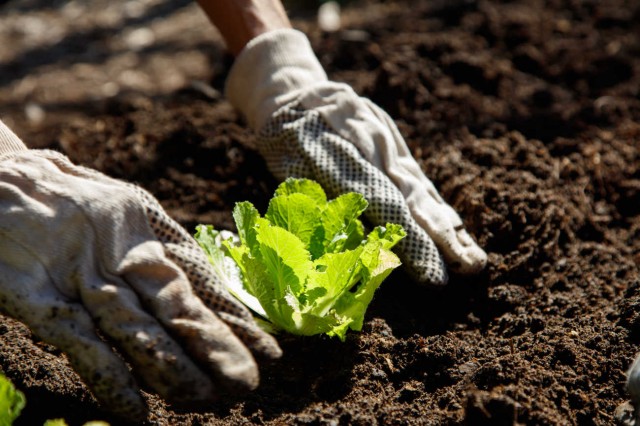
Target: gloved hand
x: 628, y: 414
x: 311, y: 127
x: 81, y: 252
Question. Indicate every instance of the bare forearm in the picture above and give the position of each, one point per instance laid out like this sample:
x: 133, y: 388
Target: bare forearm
x: 239, y: 21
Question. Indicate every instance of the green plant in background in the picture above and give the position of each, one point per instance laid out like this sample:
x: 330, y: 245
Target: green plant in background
x: 307, y: 266
x: 62, y: 422
x: 12, y: 401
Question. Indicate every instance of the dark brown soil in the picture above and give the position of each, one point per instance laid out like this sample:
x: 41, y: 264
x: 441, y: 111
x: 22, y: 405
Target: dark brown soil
x: 524, y: 113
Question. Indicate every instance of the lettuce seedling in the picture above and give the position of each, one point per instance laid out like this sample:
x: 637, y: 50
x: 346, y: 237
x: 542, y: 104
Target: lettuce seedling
x: 306, y: 266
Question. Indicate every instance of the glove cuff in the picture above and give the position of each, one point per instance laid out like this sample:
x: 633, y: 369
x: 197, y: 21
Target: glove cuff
x: 268, y: 72
x: 9, y: 142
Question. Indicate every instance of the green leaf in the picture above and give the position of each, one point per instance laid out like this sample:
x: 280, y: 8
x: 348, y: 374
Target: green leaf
x: 335, y: 273
x: 297, y: 213
x: 55, y: 422
x: 342, y: 229
x: 307, y: 187
x: 226, y: 269
x: 309, y: 324
x: 389, y: 235
x: 246, y: 216
x: 352, y: 306
x: 62, y: 422
x: 285, y: 257
x: 257, y: 281
x: 12, y: 401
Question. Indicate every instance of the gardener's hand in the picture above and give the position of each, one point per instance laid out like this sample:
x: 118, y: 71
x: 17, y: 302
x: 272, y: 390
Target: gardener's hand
x: 87, y: 261
x: 311, y: 127
x: 628, y: 414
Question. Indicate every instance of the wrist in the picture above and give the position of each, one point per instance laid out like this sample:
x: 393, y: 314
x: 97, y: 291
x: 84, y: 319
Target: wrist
x: 240, y: 21
x: 269, y: 72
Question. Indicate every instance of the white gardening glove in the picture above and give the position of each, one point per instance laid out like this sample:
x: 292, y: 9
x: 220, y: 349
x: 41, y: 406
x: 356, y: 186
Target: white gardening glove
x: 628, y: 414
x: 311, y: 127
x: 88, y: 262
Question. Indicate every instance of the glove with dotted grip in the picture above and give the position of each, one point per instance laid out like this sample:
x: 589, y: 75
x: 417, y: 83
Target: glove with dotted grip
x: 89, y: 262
x: 311, y: 127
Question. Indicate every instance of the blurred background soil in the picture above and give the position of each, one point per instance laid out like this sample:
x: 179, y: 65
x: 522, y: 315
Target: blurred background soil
x: 524, y: 113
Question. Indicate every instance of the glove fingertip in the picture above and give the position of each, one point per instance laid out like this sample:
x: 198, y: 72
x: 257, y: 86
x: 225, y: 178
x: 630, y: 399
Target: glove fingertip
x: 421, y: 258
x: 471, y: 257
x: 268, y: 348
x: 241, y: 379
x: 471, y: 261
x: 428, y: 273
x: 126, y: 403
x: 259, y: 342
